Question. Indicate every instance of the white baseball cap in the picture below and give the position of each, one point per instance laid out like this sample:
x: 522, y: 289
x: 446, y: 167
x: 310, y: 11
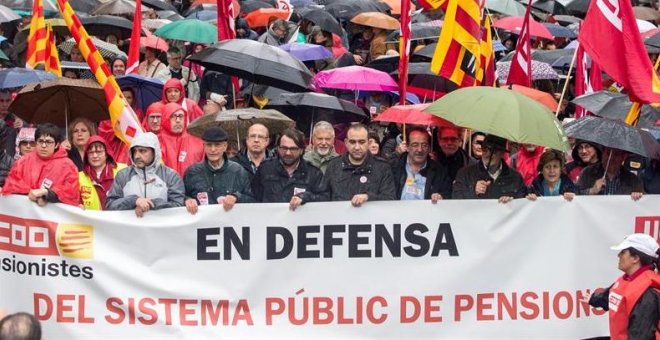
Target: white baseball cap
x: 642, y: 242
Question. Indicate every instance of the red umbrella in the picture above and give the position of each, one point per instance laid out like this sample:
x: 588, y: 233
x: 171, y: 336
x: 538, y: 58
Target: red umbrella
x: 514, y: 24
x: 412, y: 114
x: 154, y: 42
x: 260, y: 17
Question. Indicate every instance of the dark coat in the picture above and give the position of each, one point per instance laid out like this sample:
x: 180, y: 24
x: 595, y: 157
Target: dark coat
x: 565, y: 186
x: 273, y: 184
x: 628, y: 182
x: 454, y: 162
x: 230, y: 179
x: 373, y: 177
x: 6, y: 162
x: 437, y: 179
x: 508, y: 183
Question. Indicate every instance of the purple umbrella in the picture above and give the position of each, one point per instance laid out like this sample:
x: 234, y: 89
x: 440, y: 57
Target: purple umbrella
x: 355, y: 78
x: 305, y: 52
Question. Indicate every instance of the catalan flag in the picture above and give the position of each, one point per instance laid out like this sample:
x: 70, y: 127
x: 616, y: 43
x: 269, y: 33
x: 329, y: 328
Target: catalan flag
x: 124, y: 120
x: 457, y: 55
x: 486, y: 71
x: 36, y: 49
x: 52, y: 56
x: 432, y: 4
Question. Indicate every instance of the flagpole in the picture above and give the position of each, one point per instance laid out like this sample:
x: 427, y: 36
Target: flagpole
x: 568, y: 79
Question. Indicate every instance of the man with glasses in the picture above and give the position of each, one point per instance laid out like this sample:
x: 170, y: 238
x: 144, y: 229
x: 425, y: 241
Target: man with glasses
x: 490, y: 178
x: 451, y: 155
x: 256, y: 150
x: 216, y: 179
x: 276, y: 34
x: 289, y: 178
x: 357, y: 176
x: 46, y: 174
x: 180, y: 149
x: 416, y: 175
x: 176, y: 70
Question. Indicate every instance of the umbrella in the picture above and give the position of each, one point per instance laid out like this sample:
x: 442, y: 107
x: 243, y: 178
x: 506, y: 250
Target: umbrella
x: 347, y: 9
x: 559, y: 59
x: 60, y: 101
x: 395, y: 6
x: 614, y: 134
x: 578, y: 7
x: 506, y: 7
x: 646, y: 13
x: 653, y: 40
x: 116, y: 7
x: 154, y: 24
x: 262, y: 16
x: 355, y: 78
x: 502, y: 112
x: 264, y: 91
x: 644, y: 25
x: 147, y: 90
x: 387, y: 63
x: 253, y: 5
x: 412, y: 114
x: 514, y: 24
x: 376, y: 19
x: 59, y: 28
x: 18, y: 77
x: 204, y: 15
x: 237, y: 122
x: 540, y: 70
x: 420, y: 76
x: 160, y: 5
x: 7, y: 14
x: 615, y: 106
x: 560, y: 31
x: 26, y: 5
x: 107, y: 50
x: 544, y: 98
x: 169, y: 15
x: 102, y: 25
x: 417, y: 32
x: 310, y: 107
x: 192, y: 30
x: 305, y: 52
x: 550, y: 6
x: 498, y: 46
x: 322, y: 19
x: 425, y: 54
x: 567, y: 19
x: 256, y: 62
x: 154, y: 42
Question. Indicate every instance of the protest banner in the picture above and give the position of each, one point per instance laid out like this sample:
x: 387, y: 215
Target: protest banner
x: 468, y: 268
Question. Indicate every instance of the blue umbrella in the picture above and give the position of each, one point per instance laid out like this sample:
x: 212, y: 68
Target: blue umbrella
x: 204, y: 15
x: 560, y: 31
x: 147, y: 90
x: 498, y: 46
x: 306, y: 52
x: 18, y: 77
x: 411, y: 98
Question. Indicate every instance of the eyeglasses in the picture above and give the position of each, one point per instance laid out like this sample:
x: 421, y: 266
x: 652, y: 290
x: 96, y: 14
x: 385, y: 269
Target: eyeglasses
x: 155, y: 117
x: 44, y: 142
x: 422, y: 146
x: 95, y: 152
x: 176, y: 117
x: 285, y: 149
x: 257, y: 137
x: 24, y: 143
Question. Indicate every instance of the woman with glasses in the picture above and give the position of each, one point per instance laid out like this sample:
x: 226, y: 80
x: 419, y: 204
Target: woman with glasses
x: 99, y: 170
x: 46, y: 174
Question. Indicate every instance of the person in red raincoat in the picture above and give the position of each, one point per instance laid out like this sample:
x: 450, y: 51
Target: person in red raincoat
x: 153, y: 118
x: 180, y: 149
x: 173, y: 92
x: 47, y: 174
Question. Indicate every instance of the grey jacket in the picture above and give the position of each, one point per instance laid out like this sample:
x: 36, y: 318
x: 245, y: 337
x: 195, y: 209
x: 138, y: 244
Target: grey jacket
x: 156, y: 181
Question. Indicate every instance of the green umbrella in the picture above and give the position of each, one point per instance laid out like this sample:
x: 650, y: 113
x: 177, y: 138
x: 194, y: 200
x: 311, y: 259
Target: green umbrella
x: 506, y: 7
x: 502, y: 112
x: 192, y: 30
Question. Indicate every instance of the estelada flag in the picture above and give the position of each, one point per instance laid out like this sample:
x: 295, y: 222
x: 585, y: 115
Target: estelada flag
x: 610, y: 36
x: 457, y: 55
x: 134, y: 49
x: 432, y: 4
x: 52, y: 56
x: 520, y: 72
x: 486, y: 71
x: 36, y: 46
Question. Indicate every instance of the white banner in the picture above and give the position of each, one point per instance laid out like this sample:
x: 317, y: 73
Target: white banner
x: 458, y: 269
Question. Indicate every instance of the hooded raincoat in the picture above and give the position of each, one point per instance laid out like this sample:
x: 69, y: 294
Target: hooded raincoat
x: 180, y: 150
x: 193, y: 110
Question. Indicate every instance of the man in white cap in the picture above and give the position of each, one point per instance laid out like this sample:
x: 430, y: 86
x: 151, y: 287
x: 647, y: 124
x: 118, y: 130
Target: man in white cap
x: 633, y: 300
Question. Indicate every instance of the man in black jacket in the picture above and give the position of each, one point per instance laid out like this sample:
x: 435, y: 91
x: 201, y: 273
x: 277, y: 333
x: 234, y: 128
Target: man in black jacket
x: 490, y: 178
x: 450, y: 154
x: 216, y: 180
x: 358, y: 176
x: 289, y: 178
x: 416, y: 175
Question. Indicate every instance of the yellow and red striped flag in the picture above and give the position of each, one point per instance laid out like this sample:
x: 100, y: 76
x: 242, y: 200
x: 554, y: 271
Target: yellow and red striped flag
x: 124, y: 120
x: 457, y: 55
x: 36, y: 48
x: 486, y: 70
x: 52, y: 56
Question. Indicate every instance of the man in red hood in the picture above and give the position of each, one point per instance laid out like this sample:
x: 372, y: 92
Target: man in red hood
x: 180, y: 149
x: 47, y: 174
x: 173, y: 92
x: 153, y: 119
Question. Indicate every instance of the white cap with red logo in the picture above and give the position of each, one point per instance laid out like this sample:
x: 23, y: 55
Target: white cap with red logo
x: 642, y: 242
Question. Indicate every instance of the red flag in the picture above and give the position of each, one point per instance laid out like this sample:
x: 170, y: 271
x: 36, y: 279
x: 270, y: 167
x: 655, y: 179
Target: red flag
x: 520, y: 72
x: 404, y: 50
x: 610, y: 36
x: 134, y: 48
x: 226, y: 20
x: 586, y: 81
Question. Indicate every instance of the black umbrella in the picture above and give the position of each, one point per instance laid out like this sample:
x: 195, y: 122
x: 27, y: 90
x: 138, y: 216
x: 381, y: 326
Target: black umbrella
x: 653, y: 40
x: 615, y: 106
x: 253, y: 5
x: 256, y: 62
x: 420, y: 75
x: 614, y: 134
x: 264, y: 91
x: 387, y: 64
x: 346, y: 9
x: 560, y: 58
x: 322, y: 19
x: 83, y: 6
x: 567, y: 19
x: 578, y: 7
x: 550, y: 6
x: 102, y: 25
x: 310, y: 107
x: 159, y: 5
x: 425, y: 54
x: 417, y: 32
x: 559, y: 31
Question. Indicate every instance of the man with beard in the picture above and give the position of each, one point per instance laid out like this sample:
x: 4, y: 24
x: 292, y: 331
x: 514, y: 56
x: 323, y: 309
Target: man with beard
x: 323, y: 146
x: 357, y: 175
x: 289, y: 178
